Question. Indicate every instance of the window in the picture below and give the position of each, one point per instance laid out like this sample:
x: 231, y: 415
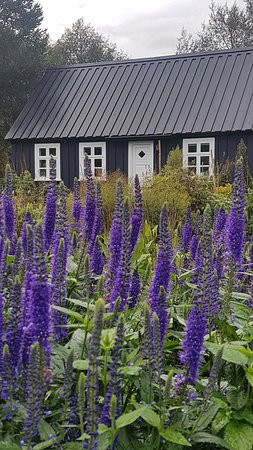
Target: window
x: 96, y: 152
x: 43, y: 153
x: 198, y: 155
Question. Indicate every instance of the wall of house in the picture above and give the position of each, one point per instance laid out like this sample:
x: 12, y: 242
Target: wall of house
x: 117, y: 153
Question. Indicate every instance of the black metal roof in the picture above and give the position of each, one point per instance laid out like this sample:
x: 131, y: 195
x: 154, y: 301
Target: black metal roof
x: 196, y: 93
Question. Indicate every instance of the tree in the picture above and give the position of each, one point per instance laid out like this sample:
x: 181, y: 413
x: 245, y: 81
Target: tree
x: 227, y: 27
x: 82, y: 44
x: 23, y: 48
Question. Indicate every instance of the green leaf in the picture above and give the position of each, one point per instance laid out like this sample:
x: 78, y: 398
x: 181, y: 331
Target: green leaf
x: 207, y: 437
x: 130, y: 370
x: 231, y: 353
x: 73, y: 446
x: 128, y: 418
x: 172, y: 435
x: 128, y: 441
x: 104, y: 441
x: 81, y: 364
x: 244, y: 414
x: 8, y: 445
x: 239, y: 435
x: 151, y: 417
x: 237, y: 399
x: 249, y: 375
x: 69, y: 312
x: 45, y: 430
x: 221, y: 420
x: 42, y: 445
x: 207, y: 417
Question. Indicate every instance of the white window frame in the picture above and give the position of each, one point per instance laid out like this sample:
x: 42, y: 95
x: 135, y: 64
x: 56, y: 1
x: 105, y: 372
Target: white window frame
x: 38, y: 158
x: 92, y: 157
x: 199, y: 153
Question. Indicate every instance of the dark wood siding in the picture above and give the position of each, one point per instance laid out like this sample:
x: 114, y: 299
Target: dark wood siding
x: 69, y: 162
x: 117, y: 156
x: 23, y: 157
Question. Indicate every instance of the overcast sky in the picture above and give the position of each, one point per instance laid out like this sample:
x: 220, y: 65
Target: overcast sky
x: 139, y: 27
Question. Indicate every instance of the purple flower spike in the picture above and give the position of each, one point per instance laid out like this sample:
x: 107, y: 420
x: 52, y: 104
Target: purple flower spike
x: 187, y: 231
x: 8, y: 205
x: 115, y: 242
x: 50, y: 216
x: 136, y: 219
x: 59, y: 290
x: 160, y: 283
x: 193, y: 343
x: 135, y: 289
x: 14, y: 328
x: 236, y: 226
x: 90, y: 202
x: 77, y: 206
x: 219, y: 228
x: 97, y: 258
x: 28, y: 220
x: 122, y: 280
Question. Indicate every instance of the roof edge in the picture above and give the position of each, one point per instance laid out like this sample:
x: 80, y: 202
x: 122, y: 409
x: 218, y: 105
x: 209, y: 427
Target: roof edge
x: 154, y: 58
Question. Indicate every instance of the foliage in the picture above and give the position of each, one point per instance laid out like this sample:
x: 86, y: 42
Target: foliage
x: 227, y: 27
x: 23, y: 46
x: 82, y: 44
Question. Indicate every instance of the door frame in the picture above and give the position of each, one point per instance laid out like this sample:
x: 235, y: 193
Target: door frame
x: 130, y: 155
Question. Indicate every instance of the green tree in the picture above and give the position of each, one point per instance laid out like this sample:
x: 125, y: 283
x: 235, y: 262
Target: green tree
x: 23, y: 49
x: 227, y: 27
x: 81, y: 44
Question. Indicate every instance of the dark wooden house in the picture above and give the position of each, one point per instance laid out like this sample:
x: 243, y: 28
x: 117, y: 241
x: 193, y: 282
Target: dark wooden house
x: 128, y: 115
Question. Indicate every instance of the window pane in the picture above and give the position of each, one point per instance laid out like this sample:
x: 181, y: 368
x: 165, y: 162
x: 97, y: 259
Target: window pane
x: 42, y: 152
x: 192, y: 161
x: 192, y: 148
x: 87, y: 150
x: 98, y: 162
x: 204, y: 161
x: 204, y: 170
x: 98, y: 173
x: 52, y: 151
x: 43, y: 173
x: 205, y: 148
x: 43, y: 163
x: 98, y: 150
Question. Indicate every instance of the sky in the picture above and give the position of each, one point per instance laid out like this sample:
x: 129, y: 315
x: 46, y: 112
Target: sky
x: 140, y: 28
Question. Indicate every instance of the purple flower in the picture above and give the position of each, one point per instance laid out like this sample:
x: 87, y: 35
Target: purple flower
x: 90, y: 202
x: 122, y: 279
x: 160, y: 283
x: 50, y: 216
x: 28, y: 220
x: 6, y: 375
x: 115, y: 242
x: 14, y: 328
x: 97, y: 258
x: 193, y: 343
x: 77, y: 206
x: 236, y: 226
x: 218, y: 228
x: 1, y: 334
x: 8, y: 205
x: 195, y: 238
x: 137, y: 215
x: 187, y: 231
x: 58, y: 289
x: 61, y: 226
x: 92, y: 377
x: 134, y: 289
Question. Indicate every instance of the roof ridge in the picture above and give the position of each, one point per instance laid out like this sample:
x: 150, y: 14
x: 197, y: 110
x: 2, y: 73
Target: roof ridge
x: 154, y: 58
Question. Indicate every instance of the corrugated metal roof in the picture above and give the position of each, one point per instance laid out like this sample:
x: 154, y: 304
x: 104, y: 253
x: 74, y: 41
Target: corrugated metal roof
x: 204, y: 92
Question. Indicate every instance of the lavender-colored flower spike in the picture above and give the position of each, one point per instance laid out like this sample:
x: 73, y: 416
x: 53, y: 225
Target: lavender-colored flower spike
x: 193, y: 343
x: 137, y: 215
x: 40, y: 296
x: 187, y: 231
x: 98, y: 219
x: 26, y: 300
x: 59, y: 290
x: 236, y: 227
x: 161, y: 277
x: 218, y: 228
x: 77, y: 206
x: 17, y: 259
x: 115, y: 242
x: 90, y: 201
x: 195, y: 238
x: 34, y: 396
x: 122, y: 280
x: 8, y: 205
x: 97, y: 258
x: 2, y: 232
x: 6, y: 375
x: 1, y: 337
x: 134, y: 289
x: 61, y: 226
x: 92, y: 377
x: 114, y: 386
x: 50, y: 211
x: 14, y: 328
x: 28, y: 220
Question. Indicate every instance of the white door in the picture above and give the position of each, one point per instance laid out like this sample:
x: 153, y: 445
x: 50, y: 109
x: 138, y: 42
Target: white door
x: 140, y: 159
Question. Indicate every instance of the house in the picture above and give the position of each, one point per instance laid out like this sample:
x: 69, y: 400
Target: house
x: 128, y: 115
